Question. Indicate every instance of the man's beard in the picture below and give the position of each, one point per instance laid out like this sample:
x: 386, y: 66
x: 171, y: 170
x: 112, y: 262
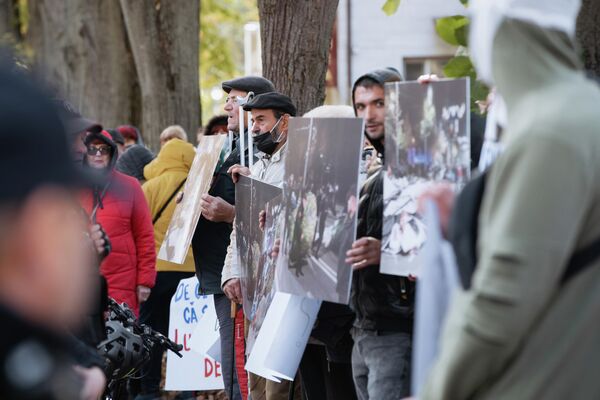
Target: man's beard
x: 378, y: 144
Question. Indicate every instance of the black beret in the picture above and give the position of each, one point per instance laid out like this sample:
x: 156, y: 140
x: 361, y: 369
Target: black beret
x: 256, y: 84
x: 272, y: 101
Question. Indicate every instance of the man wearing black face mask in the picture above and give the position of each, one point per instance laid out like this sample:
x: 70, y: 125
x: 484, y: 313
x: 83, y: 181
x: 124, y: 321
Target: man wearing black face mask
x: 271, y: 113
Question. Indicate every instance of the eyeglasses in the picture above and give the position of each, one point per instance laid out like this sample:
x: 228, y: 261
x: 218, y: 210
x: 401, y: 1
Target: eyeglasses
x: 93, y: 150
x: 231, y: 99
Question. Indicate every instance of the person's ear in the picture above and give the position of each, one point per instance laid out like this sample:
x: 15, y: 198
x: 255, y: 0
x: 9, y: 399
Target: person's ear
x: 284, y: 122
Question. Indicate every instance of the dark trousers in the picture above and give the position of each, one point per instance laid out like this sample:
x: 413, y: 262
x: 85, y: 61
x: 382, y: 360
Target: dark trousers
x: 324, y: 380
x: 154, y: 312
x: 223, y: 308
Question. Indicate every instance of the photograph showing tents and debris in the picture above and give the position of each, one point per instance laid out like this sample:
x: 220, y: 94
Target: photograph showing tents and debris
x: 320, y: 200
x: 265, y: 271
x: 251, y: 197
x: 427, y: 140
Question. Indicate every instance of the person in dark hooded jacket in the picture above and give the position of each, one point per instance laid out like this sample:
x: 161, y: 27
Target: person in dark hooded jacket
x: 383, y: 304
x: 121, y: 208
x: 133, y: 161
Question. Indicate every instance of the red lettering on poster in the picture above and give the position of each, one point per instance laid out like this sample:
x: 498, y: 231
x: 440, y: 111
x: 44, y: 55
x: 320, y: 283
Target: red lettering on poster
x: 186, y: 338
x: 208, y: 368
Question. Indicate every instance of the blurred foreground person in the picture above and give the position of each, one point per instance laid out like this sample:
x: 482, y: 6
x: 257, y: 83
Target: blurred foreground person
x: 121, y: 208
x: 45, y: 279
x: 166, y: 177
x: 527, y: 326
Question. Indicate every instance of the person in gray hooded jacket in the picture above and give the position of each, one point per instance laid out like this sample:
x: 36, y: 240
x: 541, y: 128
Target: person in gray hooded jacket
x: 527, y: 328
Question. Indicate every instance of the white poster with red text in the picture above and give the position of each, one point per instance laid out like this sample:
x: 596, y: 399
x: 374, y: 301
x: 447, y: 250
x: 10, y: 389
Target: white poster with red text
x: 189, y: 312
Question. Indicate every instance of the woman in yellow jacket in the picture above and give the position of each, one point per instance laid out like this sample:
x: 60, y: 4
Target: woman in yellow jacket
x: 165, y: 177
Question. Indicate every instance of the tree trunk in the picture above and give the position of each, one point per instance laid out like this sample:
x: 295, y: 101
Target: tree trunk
x: 588, y: 33
x: 295, y: 39
x: 8, y: 24
x: 82, y: 50
x: 165, y: 50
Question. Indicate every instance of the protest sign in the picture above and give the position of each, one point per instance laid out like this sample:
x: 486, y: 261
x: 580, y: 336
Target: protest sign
x: 251, y: 196
x: 190, y: 311
x: 427, y: 140
x: 282, y: 339
x: 264, y: 291
x: 436, y: 285
x: 320, y: 197
x: 187, y: 213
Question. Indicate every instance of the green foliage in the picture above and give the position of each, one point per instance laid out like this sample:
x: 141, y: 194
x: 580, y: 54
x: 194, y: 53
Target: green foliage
x: 221, y: 45
x: 453, y: 30
x: 390, y: 7
x: 459, y: 67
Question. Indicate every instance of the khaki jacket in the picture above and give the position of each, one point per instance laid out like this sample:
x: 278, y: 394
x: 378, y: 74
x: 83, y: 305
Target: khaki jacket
x: 268, y: 170
x: 517, y: 333
x: 164, y: 174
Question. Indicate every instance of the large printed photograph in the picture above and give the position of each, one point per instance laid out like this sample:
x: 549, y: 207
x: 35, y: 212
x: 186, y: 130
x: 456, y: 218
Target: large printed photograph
x: 251, y: 197
x: 185, y: 218
x: 265, y: 272
x: 427, y: 140
x: 320, y: 198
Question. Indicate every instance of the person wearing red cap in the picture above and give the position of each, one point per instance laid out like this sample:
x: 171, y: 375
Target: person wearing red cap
x: 131, y: 134
x: 121, y: 208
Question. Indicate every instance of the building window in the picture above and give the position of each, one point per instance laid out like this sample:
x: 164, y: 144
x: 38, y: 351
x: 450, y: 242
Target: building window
x: 415, y: 67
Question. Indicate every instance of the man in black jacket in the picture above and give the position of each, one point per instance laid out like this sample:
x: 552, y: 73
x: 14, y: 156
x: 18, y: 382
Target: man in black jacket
x: 211, y: 237
x: 383, y: 303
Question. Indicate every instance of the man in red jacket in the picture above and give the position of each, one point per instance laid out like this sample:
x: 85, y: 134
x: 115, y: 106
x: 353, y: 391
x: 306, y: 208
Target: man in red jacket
x: 121, y: 208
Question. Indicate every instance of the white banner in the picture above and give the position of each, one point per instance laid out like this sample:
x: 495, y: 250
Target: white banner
x: 283, y: 336
x: 189, y: 312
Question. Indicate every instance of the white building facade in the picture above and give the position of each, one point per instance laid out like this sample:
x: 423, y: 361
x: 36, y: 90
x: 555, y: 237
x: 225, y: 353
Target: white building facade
x: 366, y: 38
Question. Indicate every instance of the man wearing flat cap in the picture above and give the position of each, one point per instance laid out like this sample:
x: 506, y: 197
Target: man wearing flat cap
x: 211, y: 237
x: 271, y: 113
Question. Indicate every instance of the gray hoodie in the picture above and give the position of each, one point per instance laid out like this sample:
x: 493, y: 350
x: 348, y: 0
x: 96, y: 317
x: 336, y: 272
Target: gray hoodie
x: 517, y: 333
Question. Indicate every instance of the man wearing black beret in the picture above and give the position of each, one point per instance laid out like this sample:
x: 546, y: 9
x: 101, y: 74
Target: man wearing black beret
x: 271, y: 113
x: 211, y: 237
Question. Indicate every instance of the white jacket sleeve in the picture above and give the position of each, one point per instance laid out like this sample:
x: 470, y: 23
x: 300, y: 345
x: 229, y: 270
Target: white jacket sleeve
x: 231, y: 268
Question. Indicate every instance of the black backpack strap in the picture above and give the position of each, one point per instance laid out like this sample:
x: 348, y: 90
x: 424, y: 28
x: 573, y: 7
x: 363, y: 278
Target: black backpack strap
x: 581, y: 260
x: 464, y: 225
x: 162, y: 209
x: 463, y: 232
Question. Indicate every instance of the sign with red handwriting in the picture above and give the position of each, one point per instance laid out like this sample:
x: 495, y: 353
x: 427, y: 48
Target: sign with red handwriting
x: 189, y: 311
